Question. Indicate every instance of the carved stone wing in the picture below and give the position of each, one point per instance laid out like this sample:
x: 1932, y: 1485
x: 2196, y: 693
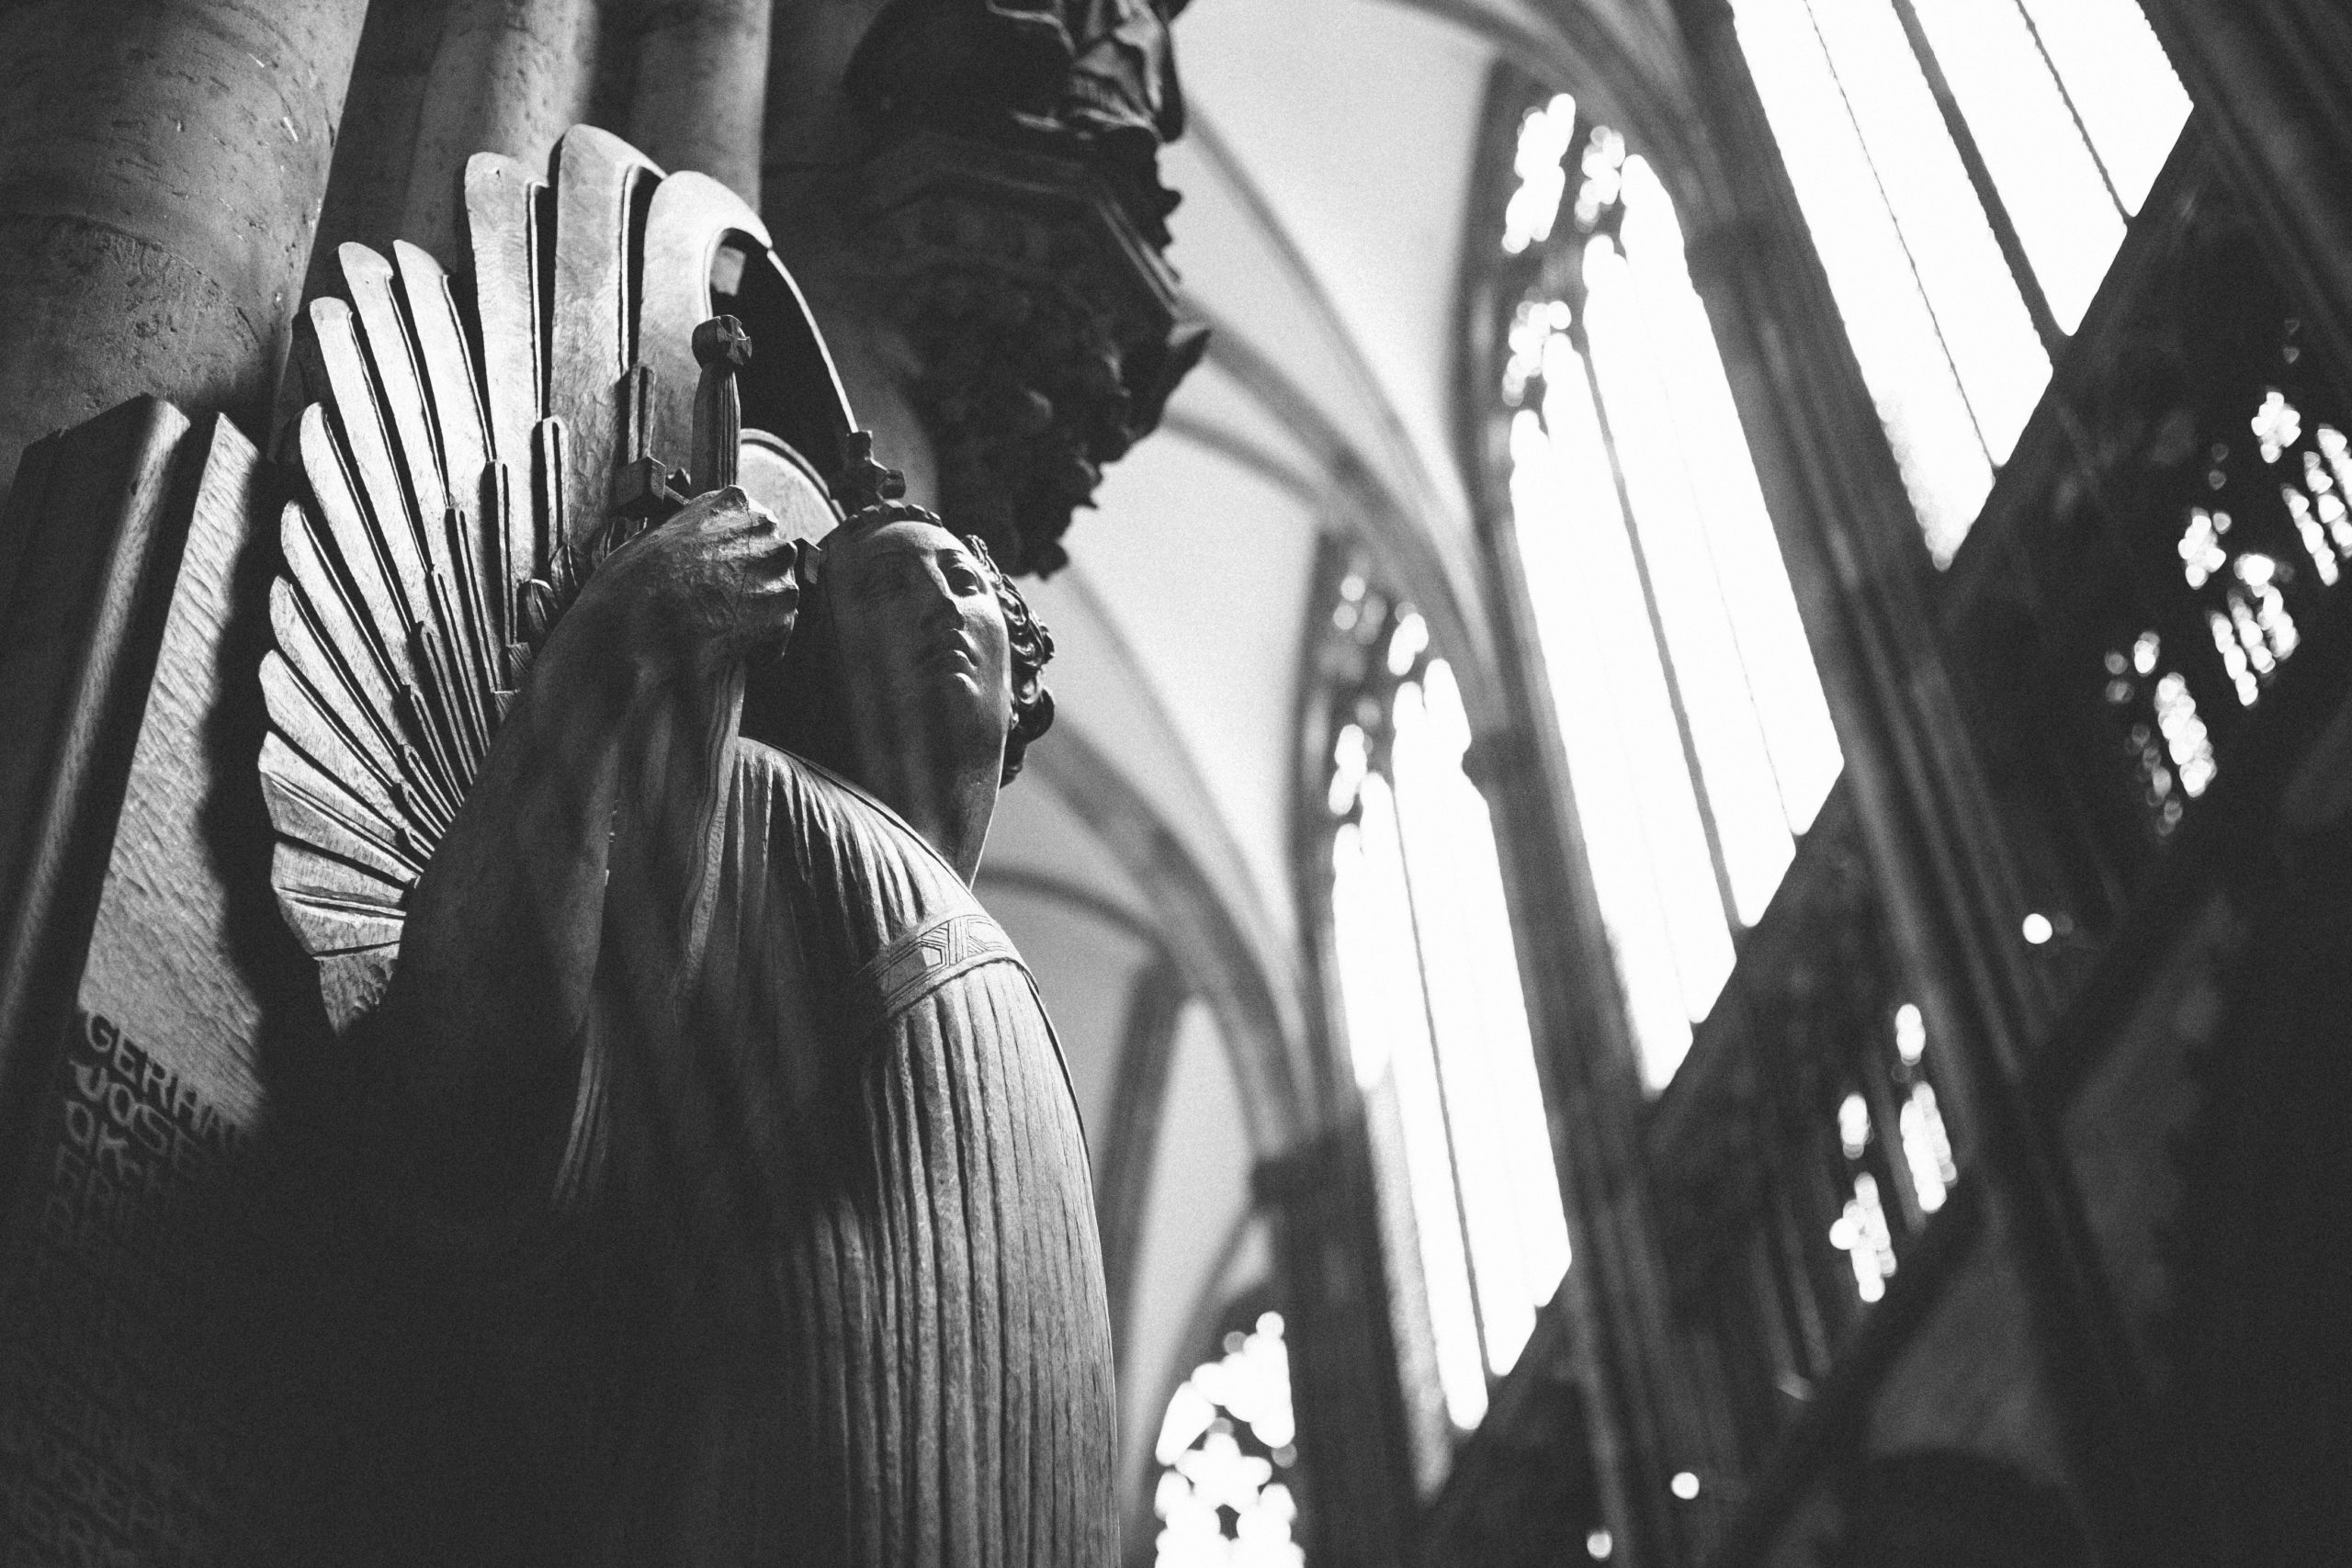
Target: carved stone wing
x: 471, y: 449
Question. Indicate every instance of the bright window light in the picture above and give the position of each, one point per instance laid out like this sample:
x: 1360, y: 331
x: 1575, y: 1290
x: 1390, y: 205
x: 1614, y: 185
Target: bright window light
x: 1927, y: 1148
x: 1724, y: 731
x: 1473, y: 1237
x: 1643, y: 835
x: 1910, y: 1034
x: 1862, y: 1234
x: 1502, y: 1147
x: 2066, y: 218
x: 1699, y: 742
x: 1381, y: 986
x: 1543, y: 137
x: 2002, y: 365
x: 2071, y: 108
x: 1748, y: 578
x: 1902, y: 351
x: 2122, y: 87
x: 1854, y: 1126
x: 1207, y: 1472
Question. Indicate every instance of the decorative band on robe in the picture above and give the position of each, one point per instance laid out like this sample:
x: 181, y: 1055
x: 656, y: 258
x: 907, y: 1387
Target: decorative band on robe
x: 912, y: 966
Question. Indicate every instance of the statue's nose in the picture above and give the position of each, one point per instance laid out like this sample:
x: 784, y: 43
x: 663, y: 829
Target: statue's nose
x: 941, y: 608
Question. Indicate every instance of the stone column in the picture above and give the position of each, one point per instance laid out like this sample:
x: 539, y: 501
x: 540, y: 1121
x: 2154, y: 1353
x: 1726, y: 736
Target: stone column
x: 1355, y: 1474
x: 699, y: 97
x: 375, y: 146
x: 809, y: 124
x: 162, y: 164
x: 437, y: 81
x: 1645, y: 1420
x: 810, y: 148
x: 2267, y: 77
x: 507, y: 76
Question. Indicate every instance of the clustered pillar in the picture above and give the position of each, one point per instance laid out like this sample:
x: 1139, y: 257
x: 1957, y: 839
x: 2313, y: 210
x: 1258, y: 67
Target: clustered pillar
x: 175, y: 174
x: 507, y: 76
x: 700, y: 88
x: 161, y: 164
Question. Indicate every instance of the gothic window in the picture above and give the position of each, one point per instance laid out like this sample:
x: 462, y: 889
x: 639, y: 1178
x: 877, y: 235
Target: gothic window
x: 1897, y: 1156
x: 1967, y: 168
x: 1472, y: 1237
x: 2263, y: 540
x: 1698, y: 743
x: 2211, y: 547
x: 1224, y: 1441
x: 1807, y: 1147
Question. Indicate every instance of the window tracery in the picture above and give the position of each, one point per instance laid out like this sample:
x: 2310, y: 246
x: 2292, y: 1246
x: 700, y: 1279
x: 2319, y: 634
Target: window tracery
x: 2259, y: 536
x: 1698, y: 742
x: 1800, y: 1160
x: 1898, y: 1163
x: 1227, y: 1436
x: 1472, y: 1237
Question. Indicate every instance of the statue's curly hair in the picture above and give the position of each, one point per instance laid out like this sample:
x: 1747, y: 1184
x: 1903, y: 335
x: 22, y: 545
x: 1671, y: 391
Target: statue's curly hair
x: 1031, y: 647
x: 796, y: 705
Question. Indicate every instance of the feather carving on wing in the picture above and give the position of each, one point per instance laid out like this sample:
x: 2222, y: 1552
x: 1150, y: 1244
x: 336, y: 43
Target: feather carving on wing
x: 471, y: 449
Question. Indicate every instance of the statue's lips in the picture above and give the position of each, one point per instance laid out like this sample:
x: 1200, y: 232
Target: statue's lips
x: 952, y: 657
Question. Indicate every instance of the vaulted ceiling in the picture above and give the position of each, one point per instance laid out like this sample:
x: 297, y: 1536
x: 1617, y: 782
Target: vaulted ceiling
x: 1324, y: 176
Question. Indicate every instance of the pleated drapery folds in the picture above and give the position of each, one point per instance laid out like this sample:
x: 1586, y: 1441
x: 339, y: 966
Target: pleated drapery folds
x: 881, y: 1336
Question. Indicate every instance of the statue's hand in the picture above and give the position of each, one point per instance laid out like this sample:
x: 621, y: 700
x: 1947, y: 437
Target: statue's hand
x: 713, y: 584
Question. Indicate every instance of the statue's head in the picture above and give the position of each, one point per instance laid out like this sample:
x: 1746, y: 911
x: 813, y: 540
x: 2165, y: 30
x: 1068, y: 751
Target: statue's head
x: 910, y: 642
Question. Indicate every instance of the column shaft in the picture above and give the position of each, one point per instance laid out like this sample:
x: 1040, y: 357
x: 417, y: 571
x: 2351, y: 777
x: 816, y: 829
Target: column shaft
x: 162, y: 164
x: 699, y: 96
x: 507, y: 76
x: 2268, y: 78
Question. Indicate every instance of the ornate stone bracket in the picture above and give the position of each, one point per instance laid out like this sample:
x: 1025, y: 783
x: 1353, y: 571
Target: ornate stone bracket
x: 1018, y: 246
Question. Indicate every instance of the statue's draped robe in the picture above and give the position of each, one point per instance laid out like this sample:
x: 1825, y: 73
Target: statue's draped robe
x: 824, y: 1133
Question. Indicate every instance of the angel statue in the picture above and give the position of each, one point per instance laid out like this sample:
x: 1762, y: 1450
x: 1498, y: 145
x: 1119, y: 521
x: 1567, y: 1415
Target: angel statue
x: 638, y: 863
x: 730, y: 983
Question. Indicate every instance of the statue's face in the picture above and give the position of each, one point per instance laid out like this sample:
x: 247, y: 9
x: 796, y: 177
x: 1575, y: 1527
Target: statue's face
x: 921, y: 646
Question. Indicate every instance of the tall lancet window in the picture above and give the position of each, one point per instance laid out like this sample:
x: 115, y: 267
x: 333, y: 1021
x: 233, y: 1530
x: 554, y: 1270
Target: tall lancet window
x: 1967, y: 168
x: 1698, y: 745
x: 1472, y: 1237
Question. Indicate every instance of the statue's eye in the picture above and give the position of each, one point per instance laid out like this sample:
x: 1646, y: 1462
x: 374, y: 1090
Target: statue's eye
x: 962, y: 578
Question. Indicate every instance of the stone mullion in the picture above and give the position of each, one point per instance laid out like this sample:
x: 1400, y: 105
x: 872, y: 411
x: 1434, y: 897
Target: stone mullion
x: 1647, y: 1420
x: 1979, y: 177
x: 1669, y: 668
x: 1853, y: 549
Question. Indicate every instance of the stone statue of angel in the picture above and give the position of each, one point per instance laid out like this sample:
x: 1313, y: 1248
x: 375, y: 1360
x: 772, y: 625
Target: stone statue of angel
x: 711, y: 976
x: 636, y: 865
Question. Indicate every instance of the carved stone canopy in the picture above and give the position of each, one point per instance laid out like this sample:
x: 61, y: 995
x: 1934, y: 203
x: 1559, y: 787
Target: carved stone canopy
x: 1092, y: 81
x: 1016, y: 221
x: 1050, y: 329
